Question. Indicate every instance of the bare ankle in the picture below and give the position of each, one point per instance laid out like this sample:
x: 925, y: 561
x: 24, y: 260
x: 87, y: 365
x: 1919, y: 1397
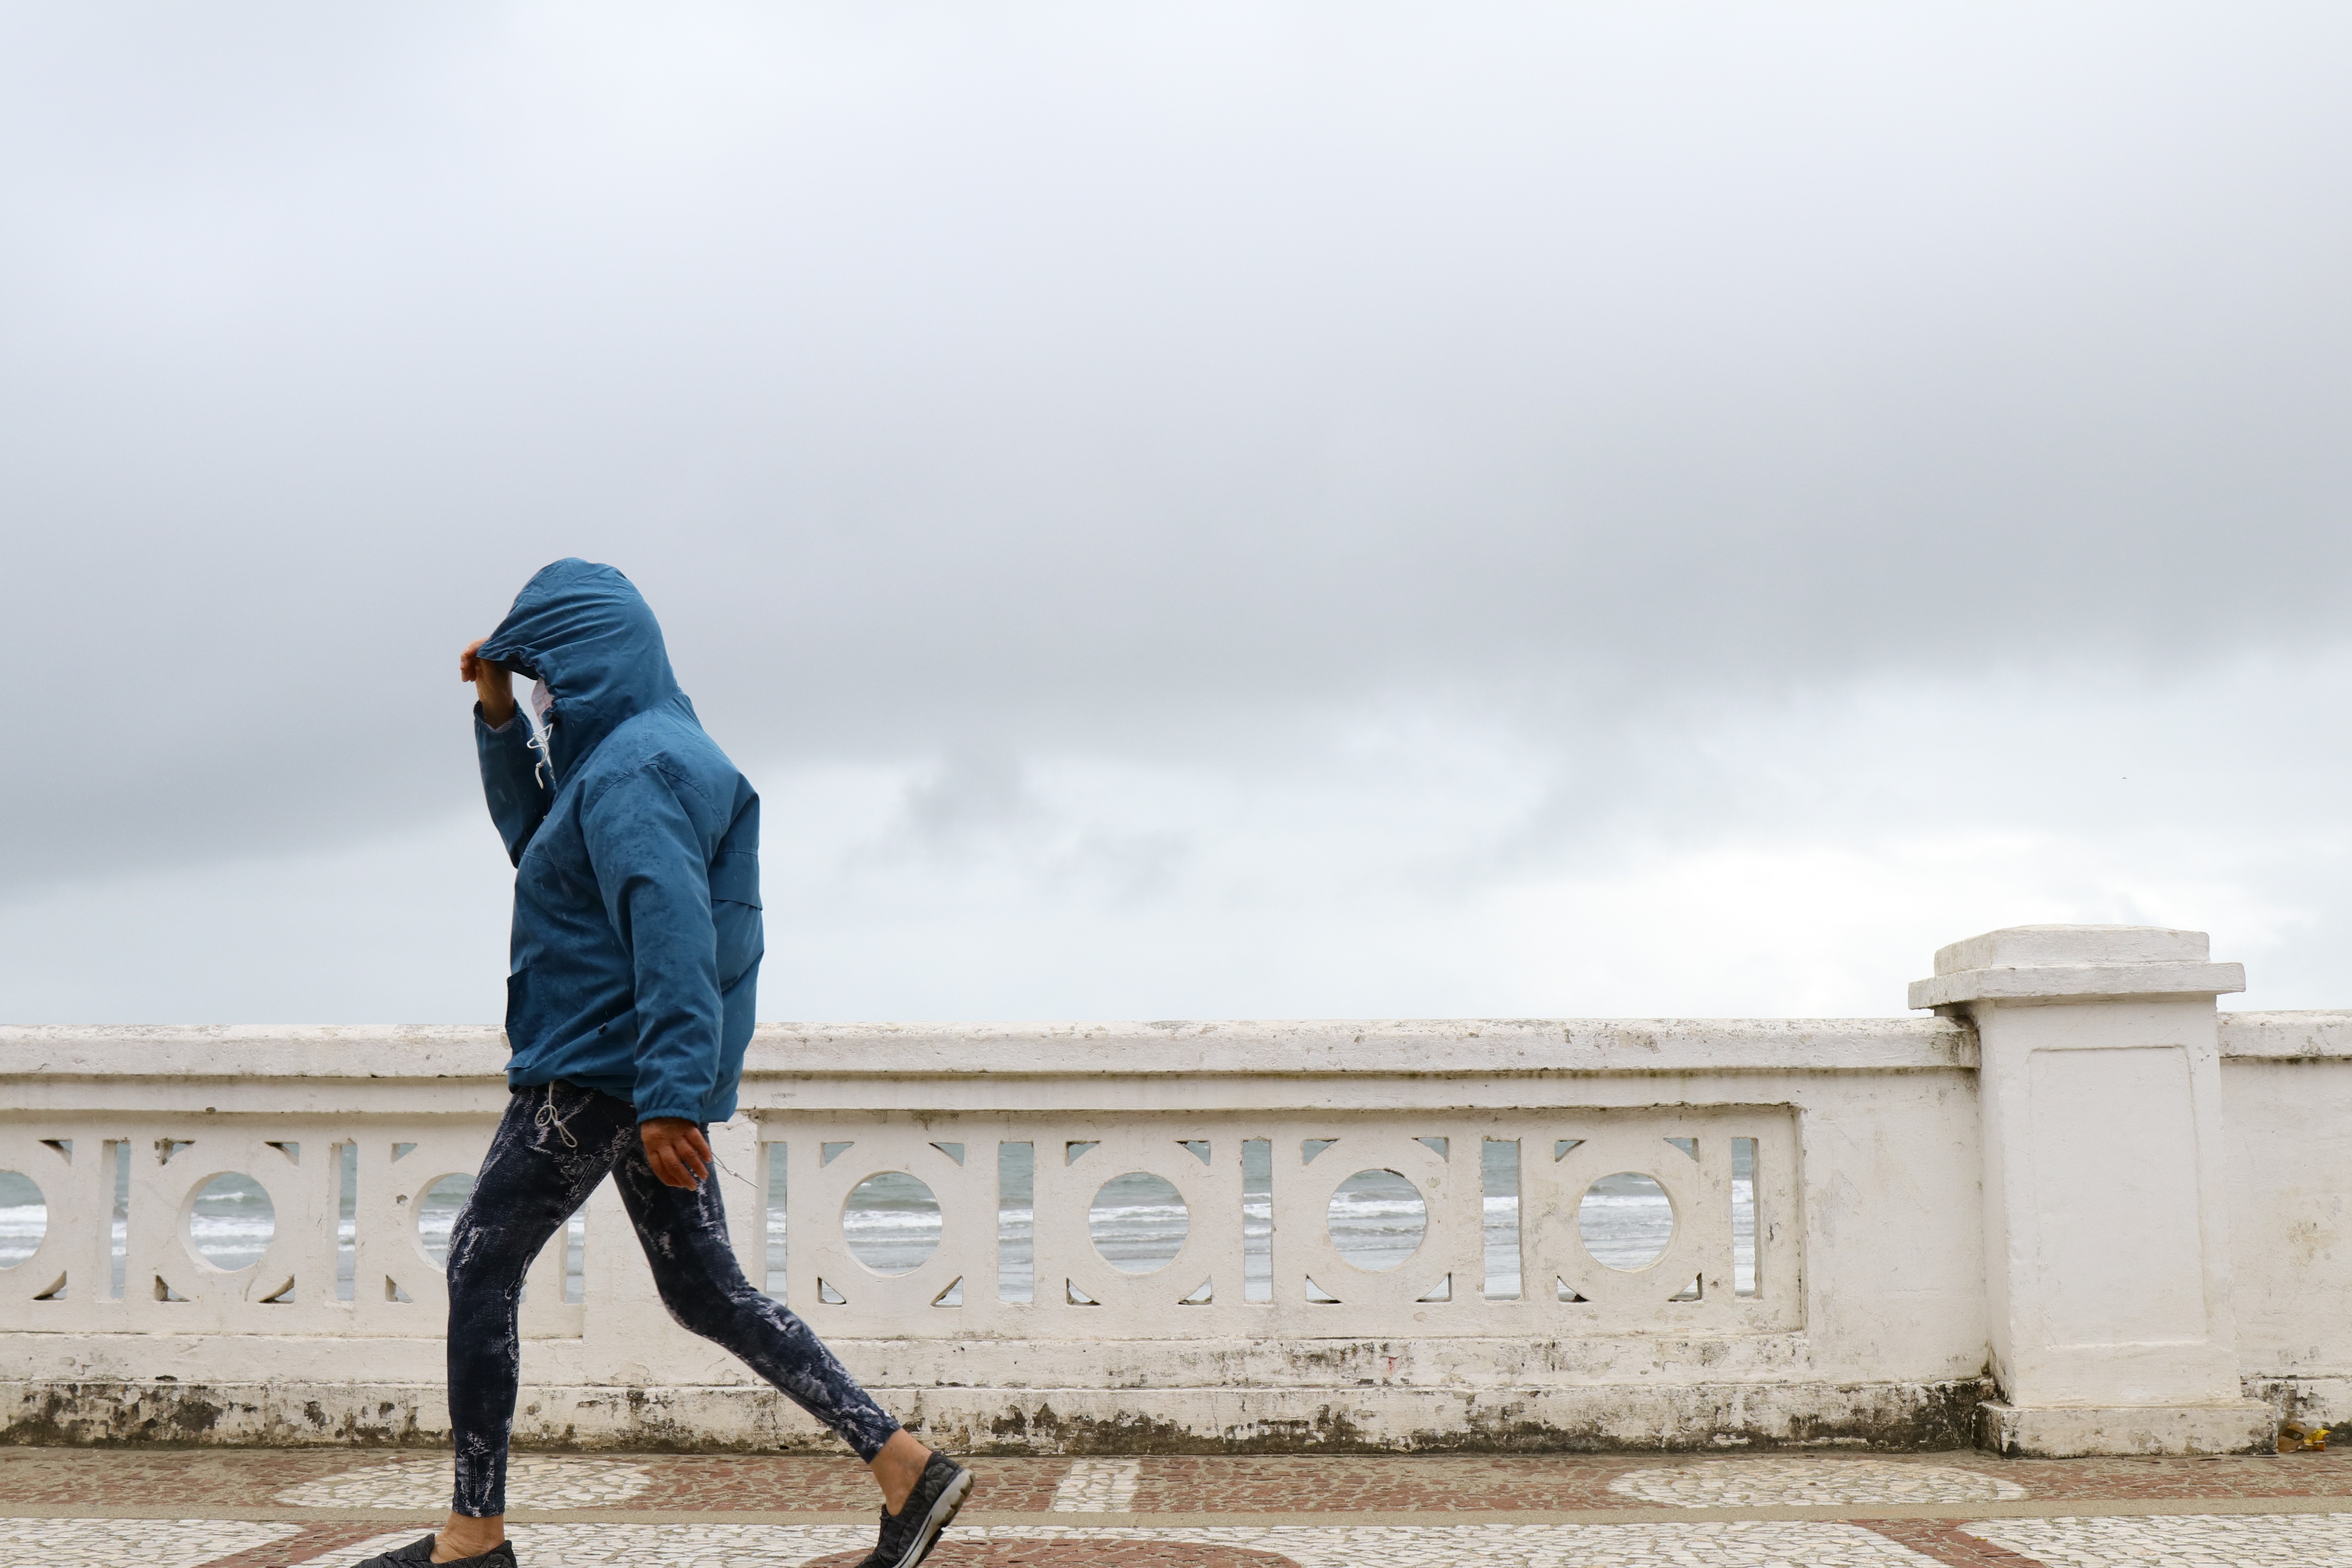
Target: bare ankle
x: 899, y: 1467
x: 465, y: 1536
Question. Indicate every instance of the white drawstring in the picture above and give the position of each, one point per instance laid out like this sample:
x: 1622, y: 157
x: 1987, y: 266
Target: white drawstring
x: 542, y: 723
x: 547, y: 1119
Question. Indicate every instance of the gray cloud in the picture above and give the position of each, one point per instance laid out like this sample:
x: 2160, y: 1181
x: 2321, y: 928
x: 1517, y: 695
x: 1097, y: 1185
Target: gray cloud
x: 1034, y: 381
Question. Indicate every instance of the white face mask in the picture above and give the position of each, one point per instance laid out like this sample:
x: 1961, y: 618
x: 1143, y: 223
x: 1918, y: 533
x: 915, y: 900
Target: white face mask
x: 542, y: 699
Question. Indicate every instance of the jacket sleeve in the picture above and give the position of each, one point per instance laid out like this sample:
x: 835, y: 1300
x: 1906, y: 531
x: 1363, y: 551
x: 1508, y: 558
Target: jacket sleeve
x: 653, y: 872
x: 514, y: 781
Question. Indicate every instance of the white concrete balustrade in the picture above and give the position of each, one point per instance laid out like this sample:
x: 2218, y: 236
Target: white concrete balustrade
x: 2075, y: 1211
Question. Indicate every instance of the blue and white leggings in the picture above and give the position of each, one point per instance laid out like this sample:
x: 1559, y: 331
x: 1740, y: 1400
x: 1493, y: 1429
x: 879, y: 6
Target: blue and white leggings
x: 554, y: 1144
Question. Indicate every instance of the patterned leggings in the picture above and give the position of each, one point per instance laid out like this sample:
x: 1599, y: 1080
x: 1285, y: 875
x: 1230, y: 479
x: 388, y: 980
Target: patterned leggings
x: 554, y: 1144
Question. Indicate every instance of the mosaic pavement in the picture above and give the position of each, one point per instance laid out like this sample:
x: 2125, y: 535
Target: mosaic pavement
x: 331, y: 1507
x: 533, y: 1481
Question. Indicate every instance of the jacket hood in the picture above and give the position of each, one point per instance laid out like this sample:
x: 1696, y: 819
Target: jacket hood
x: 585, y: 630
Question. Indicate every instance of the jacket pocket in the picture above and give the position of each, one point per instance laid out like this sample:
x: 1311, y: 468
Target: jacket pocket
x: 741, y: 940
x: 521, y: 1024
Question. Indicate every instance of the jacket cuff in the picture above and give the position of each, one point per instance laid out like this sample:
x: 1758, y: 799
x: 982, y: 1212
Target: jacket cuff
x: 676, y: 1113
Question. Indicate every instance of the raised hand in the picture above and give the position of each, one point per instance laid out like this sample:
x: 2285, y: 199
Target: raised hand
x: 493, y: 684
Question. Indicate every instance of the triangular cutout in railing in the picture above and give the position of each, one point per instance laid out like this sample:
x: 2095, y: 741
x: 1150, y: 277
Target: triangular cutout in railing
x: 1441, y: 1292
x: 952, y: 1295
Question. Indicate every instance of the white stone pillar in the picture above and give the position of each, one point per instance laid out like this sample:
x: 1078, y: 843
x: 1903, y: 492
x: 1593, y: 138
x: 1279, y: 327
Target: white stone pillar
x: 2105, y: 1229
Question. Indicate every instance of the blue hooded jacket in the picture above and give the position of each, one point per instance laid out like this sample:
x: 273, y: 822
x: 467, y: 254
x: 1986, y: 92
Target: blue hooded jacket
x: 636, y: 842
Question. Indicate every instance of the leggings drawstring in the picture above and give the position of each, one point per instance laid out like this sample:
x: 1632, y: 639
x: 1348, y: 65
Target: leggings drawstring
x: 547, y: 1119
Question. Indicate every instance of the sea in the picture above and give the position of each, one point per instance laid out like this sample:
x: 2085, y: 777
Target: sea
x: 892, y: 1221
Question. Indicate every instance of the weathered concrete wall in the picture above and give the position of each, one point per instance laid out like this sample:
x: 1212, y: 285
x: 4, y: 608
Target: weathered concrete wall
x: 1867, y: 1317
x: 1029, y: 1421
x: 2286, y: 1088
x: 1875, y: 1318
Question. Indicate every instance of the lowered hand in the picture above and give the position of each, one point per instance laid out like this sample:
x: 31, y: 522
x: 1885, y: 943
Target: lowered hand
x: 676, y: 1151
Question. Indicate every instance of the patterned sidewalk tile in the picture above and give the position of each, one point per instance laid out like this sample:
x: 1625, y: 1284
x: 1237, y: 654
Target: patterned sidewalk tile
x: 1498, y: 1483
x: 1043, y: 1546
x: 1454, y: 1483
x: 133, y: 1542
x: 2177, y: 1541
x: 307, y: 1542
x: 1947, y: 1543
x: 1768, y: 1483
x: 312, y: 1477
x: 1030, y: 1554
x: 61, y: 1478
x: 2236, y: 1475
x: 533, y: 1480
x: 1099, y: 1486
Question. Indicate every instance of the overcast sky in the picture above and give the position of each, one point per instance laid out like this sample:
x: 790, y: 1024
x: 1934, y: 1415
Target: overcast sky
x: 1188, y: 509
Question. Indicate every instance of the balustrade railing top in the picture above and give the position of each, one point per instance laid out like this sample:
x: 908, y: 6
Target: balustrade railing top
x: 963, y: 1050
x: 1171, y: 1049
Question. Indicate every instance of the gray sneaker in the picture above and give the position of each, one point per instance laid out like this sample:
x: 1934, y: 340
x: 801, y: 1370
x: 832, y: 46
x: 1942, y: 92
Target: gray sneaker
x: 909, y: 1535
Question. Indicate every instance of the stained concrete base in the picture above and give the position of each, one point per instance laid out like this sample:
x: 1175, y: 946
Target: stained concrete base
x: 2318, y: 1401
x: 2049, y: 1432
x: 1718, y: 1416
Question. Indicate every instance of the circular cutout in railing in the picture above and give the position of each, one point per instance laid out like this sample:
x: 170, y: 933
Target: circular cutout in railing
x: 891, y: 1222
x: 231, y: 1221
x: 24, y: 1217
x: 437, y: 1208
x: 1138, y: 1222
x: 1627, y: 1221
x: 1377, y: 1220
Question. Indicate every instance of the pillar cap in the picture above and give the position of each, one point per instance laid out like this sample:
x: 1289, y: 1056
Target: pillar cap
x: 2075, y: 963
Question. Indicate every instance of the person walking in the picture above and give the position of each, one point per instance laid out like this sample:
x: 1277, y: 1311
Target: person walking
x: 636, y: 948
